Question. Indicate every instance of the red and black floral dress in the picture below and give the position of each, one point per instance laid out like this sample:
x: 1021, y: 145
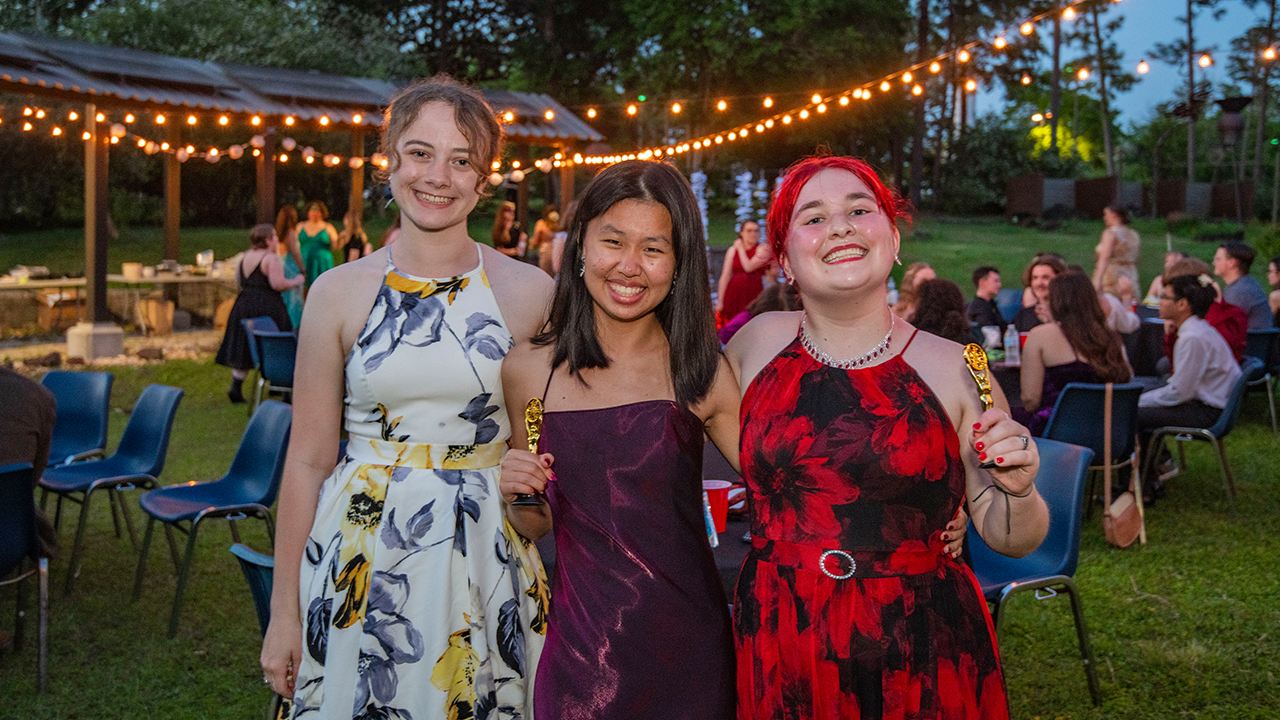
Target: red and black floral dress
x: 847, y: 607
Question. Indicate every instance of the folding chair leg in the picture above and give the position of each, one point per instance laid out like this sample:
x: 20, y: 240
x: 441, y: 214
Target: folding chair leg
x: 73, y: 568
x: 1226, y: 468
x: 20, y: 612
x: 1271, y: 401
x: 173, y: 548
x: 271, y: 528
x: 183, y: 575
x: 1086, y: 648
x: 44, y: 624
x: 142, y: 557
x: 57, y: 514
x: 1091, y: 488
x: 44, y: 498
x: 112, y: 500
x: 128, y: 518
x: 1182, y: 456
x: 235, y: 531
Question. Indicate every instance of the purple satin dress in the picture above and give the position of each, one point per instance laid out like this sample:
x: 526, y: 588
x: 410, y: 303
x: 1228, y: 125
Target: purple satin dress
x: 639, y: 623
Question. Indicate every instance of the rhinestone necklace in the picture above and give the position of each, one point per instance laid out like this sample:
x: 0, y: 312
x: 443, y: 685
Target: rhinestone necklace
x: 853, y: 363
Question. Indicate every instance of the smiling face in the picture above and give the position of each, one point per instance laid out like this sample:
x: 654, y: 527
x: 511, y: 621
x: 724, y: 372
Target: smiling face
x: 629, y: 259
x: 750, y: 233
x: 1041, y: 275
x: 435, y: 185
x: 838, y: 237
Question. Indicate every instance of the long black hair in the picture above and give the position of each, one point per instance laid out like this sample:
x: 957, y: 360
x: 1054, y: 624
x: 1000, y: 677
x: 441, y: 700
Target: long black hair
x: 685, y: 314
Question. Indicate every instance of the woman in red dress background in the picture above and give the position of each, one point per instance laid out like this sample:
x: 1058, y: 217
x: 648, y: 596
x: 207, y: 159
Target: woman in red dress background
x: 860, y: 440
x: 742, y: 277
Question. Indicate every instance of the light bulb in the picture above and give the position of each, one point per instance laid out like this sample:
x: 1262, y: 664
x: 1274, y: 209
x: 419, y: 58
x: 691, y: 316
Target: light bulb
x: 722, y: 106
x: 768, y: 102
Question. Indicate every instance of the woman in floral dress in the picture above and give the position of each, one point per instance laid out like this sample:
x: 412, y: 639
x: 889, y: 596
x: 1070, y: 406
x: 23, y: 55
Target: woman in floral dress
x: 861, y: 439
x: 400, y: 590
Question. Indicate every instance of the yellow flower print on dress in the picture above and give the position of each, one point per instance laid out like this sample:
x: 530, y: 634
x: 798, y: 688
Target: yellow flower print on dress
x: 368, y: 488
x: 455, y: 674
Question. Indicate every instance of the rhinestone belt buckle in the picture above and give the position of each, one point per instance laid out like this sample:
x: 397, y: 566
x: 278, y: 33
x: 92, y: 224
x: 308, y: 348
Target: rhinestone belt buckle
x: 822, y: 564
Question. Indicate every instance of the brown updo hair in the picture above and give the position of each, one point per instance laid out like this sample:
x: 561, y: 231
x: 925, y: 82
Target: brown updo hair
x: 473, y: 115
x: 260, y: 235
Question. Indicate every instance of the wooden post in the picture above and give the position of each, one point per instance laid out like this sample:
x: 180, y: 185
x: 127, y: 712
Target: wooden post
x: 566, y: 182
x: 356, y: 201
x: 96, y: 205
x: 265, y: 163
x: 522, y: 191
x: 172, y: 193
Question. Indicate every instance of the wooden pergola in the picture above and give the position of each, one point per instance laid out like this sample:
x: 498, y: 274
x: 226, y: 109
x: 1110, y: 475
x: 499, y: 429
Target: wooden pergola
x: 108, y: 81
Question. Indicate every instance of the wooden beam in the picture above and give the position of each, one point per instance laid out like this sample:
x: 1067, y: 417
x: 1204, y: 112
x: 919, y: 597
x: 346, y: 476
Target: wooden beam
x: 265, y: 163
x: 172, y: 193
x: 96, y: 206
x: 356, y: 200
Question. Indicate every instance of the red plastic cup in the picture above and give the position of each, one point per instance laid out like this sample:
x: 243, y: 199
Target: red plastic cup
x: 1022, y: 340
x: 718, y: 499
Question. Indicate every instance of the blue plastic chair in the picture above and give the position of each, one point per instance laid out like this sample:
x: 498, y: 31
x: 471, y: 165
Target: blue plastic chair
x: 1077, y: 419
x: 1215, y: 434
x: 259, y: 572
x: 19, y: 543
x: 1261, y: 344
x: 1009, y: 302
x: 1049, y: 570
x: 137, y: 462
x: 84, y: 404
x: 279, y: 351
x: 247, y: 490
x: 251, y: 326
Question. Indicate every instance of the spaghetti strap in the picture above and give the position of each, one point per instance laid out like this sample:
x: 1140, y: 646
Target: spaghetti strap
x: 913, y: 337
x: 547, y: 386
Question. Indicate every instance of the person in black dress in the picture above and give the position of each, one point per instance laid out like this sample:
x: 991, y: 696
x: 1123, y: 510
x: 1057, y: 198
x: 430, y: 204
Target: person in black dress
x: 261, y: 279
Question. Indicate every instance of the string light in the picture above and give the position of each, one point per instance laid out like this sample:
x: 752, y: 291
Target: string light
x: 816, y: 98
x: 1205, y: 60
x: 159, y: 119
x: 999, y: 43
x: 935, y: 67
x: 284, y: 157
x: 1143, y: 68
x: 73, y: 116
x: 1026, y: 79
x: 1269, y: 54
x: 164, y: 146
x: 768, y: 123
x: 632, y: 110
x: 99, y: 117
x: 57, y: 131
x: 129, y: 117
x: 804, y: 115
x: 508, y: 116
x: 324, y: 120
x: 1027, y: 28
x: 591, y: 112
x: 822, y: 107
x: 26, y: 127
x: 114, y: 140
x: 191, y: 120
x: 971, y: 85
x: 40, y: 114
x: 288, y: 121
x: 722, y: 106
x: 768, y: 102
x: 884, y: 86
x: 549, y: 115
x: 86, y: 135
x: 963, y: 56
x: 223, y: 120
x: 844, y: 100
x: 1037, y: 117
x: 917, y: 90
x: 675, y: 108
x: 907, y: 77
x: 255, y: 121
x: 1069, y: 14
x: 786, y: 119
x: 142, y: 143
x: 27, y: 112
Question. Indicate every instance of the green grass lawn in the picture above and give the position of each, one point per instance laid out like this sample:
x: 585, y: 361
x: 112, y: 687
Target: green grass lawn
x: 1187, y: 626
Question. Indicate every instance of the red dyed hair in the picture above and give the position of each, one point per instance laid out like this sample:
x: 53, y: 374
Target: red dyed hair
x: 784, y: 202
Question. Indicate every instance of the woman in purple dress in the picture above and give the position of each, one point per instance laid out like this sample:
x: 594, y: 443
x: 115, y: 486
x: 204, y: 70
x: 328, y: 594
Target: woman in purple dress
x: 631, y: 376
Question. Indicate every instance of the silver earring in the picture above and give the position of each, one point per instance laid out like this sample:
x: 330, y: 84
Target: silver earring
x: 582, y: 268
x: 674, y: 274
x: 895, y: 258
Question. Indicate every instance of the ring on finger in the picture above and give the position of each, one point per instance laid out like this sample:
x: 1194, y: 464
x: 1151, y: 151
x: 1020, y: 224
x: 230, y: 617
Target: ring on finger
x: 1026, y: 441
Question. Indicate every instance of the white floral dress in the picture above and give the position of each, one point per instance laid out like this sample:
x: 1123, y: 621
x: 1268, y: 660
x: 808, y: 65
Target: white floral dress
x: 418, y: 599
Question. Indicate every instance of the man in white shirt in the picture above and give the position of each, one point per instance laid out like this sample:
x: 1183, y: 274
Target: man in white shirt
x: 1204, y: 370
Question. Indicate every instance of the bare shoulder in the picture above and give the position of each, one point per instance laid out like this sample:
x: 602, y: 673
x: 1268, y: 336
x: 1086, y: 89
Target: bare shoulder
x: 340, y: 298
x: 941, y: 364
x: 524, y: 367
x: 763, y: 337
x: 523, y: 292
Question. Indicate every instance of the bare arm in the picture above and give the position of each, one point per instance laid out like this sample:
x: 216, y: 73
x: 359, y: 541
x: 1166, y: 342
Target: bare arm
x: 721, y: 419
x: 291, y: 242
x: 1105, y: 245
x: 726, y: 272
x: 523, y: 472
x: 275, y: 274
x: 1033, y: 370
x: 762, y: 258
x: 1274, y: 301
x: 313, y: 451
x: 333, y: 236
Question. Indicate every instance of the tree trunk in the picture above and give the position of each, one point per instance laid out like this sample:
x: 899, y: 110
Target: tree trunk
x: 1055, y: 82
x: 1191, y: 93
x: 1102, y: 96
x: 917, y: 138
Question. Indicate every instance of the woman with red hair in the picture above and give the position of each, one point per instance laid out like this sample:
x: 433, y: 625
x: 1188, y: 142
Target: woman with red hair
x: 861, y: 439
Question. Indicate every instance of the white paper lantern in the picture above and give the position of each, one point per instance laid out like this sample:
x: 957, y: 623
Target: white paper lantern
x: 495, y: 179
x: 356, y: 162
x: 235, y: 151
x: 182, y: 155
x: 517, y: 176
x: 258, y: 141
x: 289, y: 144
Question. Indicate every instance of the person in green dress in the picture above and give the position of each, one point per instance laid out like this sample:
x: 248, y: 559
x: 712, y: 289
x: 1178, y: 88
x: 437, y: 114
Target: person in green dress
x: 318, y: 240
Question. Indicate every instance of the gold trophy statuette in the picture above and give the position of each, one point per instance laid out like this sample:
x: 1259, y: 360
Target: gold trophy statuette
x: 976, y: 358
x: 533, y: 428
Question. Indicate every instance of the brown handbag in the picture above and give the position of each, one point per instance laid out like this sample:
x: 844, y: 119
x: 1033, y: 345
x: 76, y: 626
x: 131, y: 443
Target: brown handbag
x: 1122, y: 520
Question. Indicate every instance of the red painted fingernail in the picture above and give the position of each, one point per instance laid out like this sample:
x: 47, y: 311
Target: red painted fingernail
x: 552, y: 476
x: 982, y: 456
x: 999, y: 460
x: 979, y: 445
x: 977, y: 426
